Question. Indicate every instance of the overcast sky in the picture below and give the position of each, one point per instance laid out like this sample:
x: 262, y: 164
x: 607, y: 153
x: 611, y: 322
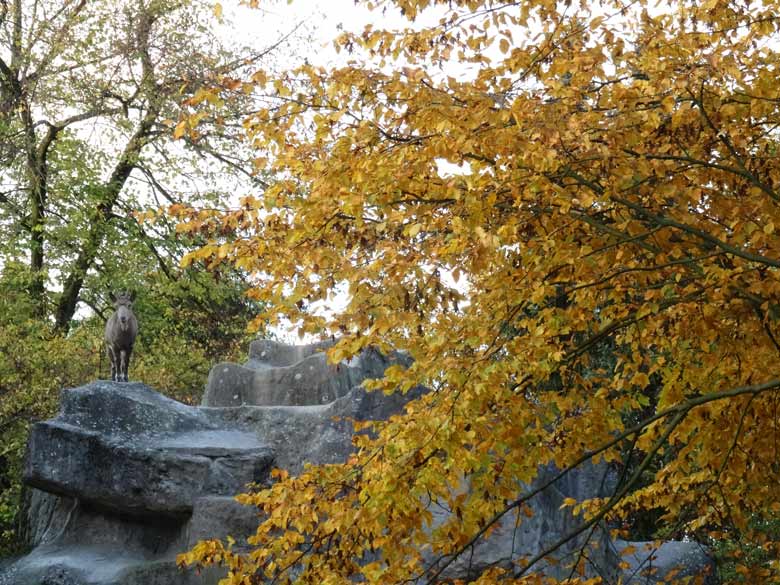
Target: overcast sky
x: 324, y: 19
x: 258, y: 27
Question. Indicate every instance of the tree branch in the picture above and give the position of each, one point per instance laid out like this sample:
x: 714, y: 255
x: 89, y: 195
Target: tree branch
x: 678, y: 411
x: 701, y: 234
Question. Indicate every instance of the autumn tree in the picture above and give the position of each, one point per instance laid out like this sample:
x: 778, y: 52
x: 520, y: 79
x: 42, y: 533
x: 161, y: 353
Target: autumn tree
x: 508, y: 194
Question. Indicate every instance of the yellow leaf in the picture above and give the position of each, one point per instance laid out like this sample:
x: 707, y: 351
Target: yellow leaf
x: 596, y: 238
x: 180, y: 129
x: 568, y: 502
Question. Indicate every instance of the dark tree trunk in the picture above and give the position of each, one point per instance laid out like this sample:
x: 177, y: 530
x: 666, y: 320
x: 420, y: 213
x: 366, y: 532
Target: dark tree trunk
x: 66, y: 306
x: 39, y: 191
x: 73, y: 283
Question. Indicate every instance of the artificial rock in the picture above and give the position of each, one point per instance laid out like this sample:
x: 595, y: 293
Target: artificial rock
x: 124, y: 479
x: 283, y: 375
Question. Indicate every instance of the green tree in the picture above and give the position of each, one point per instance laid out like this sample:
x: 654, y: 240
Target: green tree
x: 91, y: 138
x: 91, y: 93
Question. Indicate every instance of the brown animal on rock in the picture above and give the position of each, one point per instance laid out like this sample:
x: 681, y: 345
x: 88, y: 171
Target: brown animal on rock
x: 121, y: 329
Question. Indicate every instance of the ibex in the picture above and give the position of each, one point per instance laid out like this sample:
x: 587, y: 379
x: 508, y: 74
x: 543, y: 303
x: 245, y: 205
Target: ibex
x: 121, y: 329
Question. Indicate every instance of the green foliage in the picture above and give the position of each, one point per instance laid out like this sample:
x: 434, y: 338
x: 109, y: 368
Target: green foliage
x: 746, y: 557
x: 35, y: 364
x: 186, y: 325
x: 69, y: 193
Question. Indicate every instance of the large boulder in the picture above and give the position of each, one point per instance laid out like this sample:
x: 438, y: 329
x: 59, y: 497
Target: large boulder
x: 148, y: 454
x: 124, y: 479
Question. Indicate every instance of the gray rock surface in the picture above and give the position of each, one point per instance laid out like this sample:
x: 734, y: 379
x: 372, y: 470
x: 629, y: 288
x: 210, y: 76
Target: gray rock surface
x: 512, y: 544
x: 651, y: 563
x: 267, y: 353
x: 319, y: 433
x: 282, y: 375
x: 124, y: 479
x: 86, y: 564
x: 83, y: 544
x: 43, y: 512
x: 154, y: 455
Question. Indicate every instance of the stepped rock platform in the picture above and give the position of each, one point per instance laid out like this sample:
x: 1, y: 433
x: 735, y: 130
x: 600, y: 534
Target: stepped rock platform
x: 123, y: 479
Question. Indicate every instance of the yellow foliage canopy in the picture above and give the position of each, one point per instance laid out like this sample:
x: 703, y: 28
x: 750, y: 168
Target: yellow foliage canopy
x: 575, y: 235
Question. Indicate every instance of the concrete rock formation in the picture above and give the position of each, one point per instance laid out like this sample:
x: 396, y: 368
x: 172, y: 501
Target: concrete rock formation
x: 283, y: 375
x: 651, y: 562
x: 124, y: 479
x: 150, y: 455
x: 510, y: 542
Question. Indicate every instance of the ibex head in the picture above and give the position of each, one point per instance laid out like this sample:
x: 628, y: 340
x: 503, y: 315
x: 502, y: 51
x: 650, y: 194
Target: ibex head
x: 123, y: 302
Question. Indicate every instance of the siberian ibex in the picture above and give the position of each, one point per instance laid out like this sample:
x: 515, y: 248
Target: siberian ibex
x: 121, y: 329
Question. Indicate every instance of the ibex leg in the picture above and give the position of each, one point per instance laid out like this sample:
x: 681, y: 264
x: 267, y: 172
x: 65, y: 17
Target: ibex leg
x: 123, y: 365
x: 112, y: 358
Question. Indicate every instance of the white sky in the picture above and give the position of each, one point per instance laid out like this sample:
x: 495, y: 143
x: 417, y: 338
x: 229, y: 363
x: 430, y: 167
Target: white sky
x: 325, y: 19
